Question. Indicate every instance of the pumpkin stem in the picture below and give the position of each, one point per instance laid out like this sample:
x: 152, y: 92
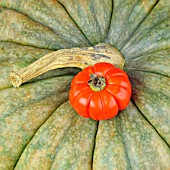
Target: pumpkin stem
x: 75, y: 57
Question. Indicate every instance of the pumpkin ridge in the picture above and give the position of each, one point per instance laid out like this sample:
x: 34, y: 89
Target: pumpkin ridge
x: 143, y: 54
x: 74, y: 121
x: 157, y: 100
x: 30, y: 102
x: 123, y: 142
x: 109, y: 26
x: 90, y: 44
x: 142, y: 137
x: 34, y: 21
x: 128, y: 69
x: 140, y: 23
x: 38, y: 129
x: 40, y: 36
x: 144, y: 40
x: 128, y: 19
x: 150, y: 30
x: 149, y: 122
x: 22, y: 8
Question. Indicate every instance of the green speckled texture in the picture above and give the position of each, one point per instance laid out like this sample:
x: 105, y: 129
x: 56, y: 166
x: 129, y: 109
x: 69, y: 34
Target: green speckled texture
x: 129, y: 142
x: 92, y: 17
x: 156, y: 62
x: 51, y: 14
x: 39, y: 130
x: 153, y: 34
x: 64, y: 136
x: 151, y: 93
x: 127, y: 16
x: 18, y: 28
x: 24, y: 110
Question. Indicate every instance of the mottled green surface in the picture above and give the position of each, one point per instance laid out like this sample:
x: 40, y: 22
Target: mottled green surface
x: 156, y: 62
x: 129, y: 142
x: 127, y: 16
x: 40, y: 130
x: 151, y: 93
x: 153, y: 34
x: 23, y: 110
x: 52, y: 14
x: 92, y: 17
x: 19, y: 28
x: 64, y: 136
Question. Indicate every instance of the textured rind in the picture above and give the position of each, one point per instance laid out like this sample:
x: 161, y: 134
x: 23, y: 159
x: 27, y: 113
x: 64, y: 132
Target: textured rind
x: 19, y: 28
x: 152, y: 35
x: 51, y: 14
x: 92, y: 17
x: 156, y: 62
x: 129, y: 142
x: 26, y: 110
x: 65, y: 141
x: 127, y: 16
x: 151, y: 94
x: 138, y: 137
x: 13, y: 57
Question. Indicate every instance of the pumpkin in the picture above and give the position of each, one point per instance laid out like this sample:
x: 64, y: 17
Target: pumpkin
x: 38, y: 127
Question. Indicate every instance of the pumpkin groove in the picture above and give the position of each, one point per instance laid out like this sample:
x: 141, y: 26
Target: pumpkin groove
x: 50, y: 14
x: 153, y: 34
x: 124, y: 24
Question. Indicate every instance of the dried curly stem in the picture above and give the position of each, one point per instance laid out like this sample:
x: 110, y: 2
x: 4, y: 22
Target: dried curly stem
x: 75, y: 57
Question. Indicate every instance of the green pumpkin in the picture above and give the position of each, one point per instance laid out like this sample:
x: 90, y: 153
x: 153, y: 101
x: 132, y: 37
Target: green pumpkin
x: 39, y: 130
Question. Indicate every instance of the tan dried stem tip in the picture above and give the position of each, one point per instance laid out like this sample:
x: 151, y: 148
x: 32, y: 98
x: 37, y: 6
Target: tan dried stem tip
x: 75, y: 57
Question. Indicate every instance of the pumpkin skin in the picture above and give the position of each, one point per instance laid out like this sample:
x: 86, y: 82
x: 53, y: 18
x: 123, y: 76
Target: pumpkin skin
x: 38, y: 127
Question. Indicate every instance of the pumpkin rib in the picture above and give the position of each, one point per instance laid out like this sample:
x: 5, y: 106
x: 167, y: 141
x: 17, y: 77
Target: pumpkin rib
x: 150, y: 30
x: 149, y: 122
x: 26, y: 134
x: 40, y: 36
x: 31, y: 102
x: 19, y: 8
x: 26, y: 45
x: 110, y: 19
x: 127, y: 20
x: 143, y: 137
x: 33, y: 20
x: 156, y: 96
x: 140, y: 23
x: 83, y: 14
x: 63, y: 137
x: 48, y: 119
x: 128, y: 69
x: 124, y: 144
x: 155, y: 123
x: 157, y: 62
x: 147, y: 38
x: 121, y: 26
x: 147, y: 53
x: 77, y: 124
x: 36, y: 132
x: 75, y: 23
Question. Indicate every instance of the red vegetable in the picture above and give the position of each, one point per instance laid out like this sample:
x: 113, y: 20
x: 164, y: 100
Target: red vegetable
x: 98, y: 92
